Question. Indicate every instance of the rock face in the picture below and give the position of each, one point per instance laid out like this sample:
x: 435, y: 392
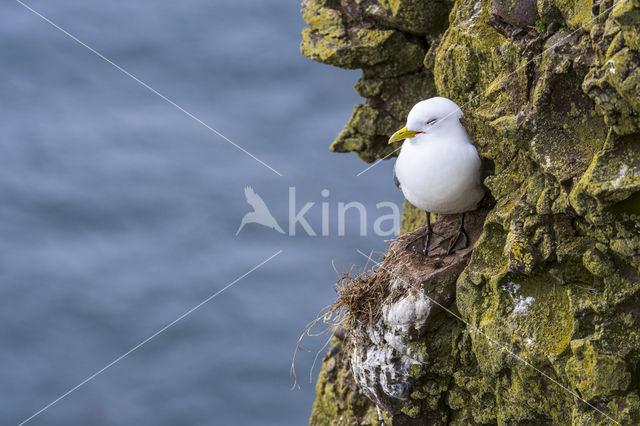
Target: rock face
x: 405, y: 360
x: 388, y: 40
x: 548, y: 298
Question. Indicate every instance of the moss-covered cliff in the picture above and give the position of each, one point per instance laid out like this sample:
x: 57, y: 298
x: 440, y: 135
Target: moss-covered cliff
x: 550, y: 293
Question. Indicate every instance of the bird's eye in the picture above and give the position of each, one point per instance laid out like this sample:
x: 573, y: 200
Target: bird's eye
x: 432, y: 121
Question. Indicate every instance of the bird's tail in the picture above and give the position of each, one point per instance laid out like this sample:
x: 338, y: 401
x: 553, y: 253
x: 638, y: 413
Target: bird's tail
x: 244, y: 222
x: 277, y: 228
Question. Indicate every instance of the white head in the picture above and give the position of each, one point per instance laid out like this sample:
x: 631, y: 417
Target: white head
x: 428, y: 116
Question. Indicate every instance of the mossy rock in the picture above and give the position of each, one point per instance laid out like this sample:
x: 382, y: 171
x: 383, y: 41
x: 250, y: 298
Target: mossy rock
x: 550, y: 294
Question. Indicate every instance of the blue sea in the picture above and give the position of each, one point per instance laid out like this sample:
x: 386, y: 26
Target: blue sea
x: 119, y: 212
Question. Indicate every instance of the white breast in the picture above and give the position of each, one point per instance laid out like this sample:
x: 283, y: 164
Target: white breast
x: 440, y: 175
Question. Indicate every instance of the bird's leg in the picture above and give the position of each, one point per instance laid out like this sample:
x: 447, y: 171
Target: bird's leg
x: 427, y: 237
x: 456, y: 237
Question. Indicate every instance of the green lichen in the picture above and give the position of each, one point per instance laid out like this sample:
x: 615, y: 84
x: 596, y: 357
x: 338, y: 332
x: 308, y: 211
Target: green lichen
x: 521, y: 257
x: 613, y: 81
x: 412, y: 16
x: 541, y: 26
x: 338, y: 402
x: 596, y: 375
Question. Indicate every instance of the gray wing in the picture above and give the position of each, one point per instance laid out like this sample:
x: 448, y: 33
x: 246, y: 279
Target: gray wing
x: 395, y: 177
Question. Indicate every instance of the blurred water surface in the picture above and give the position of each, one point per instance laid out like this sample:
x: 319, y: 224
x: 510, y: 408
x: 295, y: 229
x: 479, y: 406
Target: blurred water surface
x: 118, y: 212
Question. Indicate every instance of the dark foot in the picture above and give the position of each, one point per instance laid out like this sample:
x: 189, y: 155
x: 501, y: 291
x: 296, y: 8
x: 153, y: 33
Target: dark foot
x: 421, y: 244
x: 455, y: 239
x: 411, y: 245
x: 414, y: 245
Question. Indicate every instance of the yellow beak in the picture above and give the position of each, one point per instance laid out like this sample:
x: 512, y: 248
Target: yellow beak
x: 402, y: 134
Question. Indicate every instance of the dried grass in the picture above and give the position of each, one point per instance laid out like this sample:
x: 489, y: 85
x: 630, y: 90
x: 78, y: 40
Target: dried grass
x: 360, y: 295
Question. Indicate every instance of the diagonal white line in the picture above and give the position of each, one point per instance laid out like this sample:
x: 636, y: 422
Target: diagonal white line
x: 502, y: 347
x: 146, y: 86
x: 139, y: 345
x: 378, y: 161
x: 518, y: 68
